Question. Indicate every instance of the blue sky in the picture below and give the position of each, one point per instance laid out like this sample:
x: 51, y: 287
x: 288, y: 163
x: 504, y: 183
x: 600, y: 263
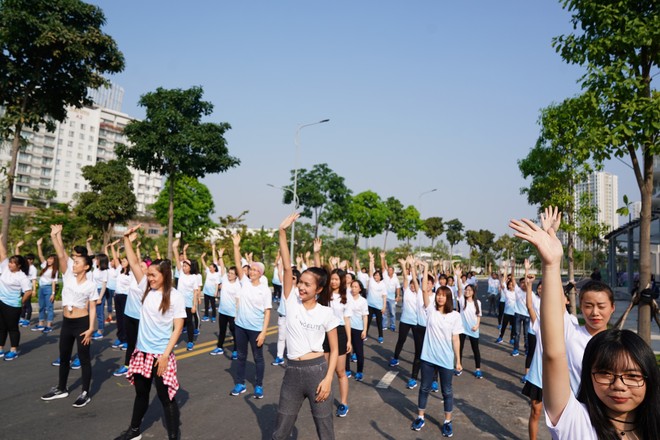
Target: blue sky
x: 420, y: 94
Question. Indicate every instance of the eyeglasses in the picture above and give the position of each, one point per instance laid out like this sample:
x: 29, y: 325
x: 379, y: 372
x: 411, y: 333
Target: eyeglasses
x: 629, y: 379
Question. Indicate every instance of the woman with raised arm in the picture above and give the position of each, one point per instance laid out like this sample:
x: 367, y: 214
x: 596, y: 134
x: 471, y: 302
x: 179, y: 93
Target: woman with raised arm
x: 358, y: 304
x: 376, y: 297
x: 100, y: 277
x: 308, y: 374
x: 619, y: 396
x: 408, y: 320
x: 426, y: 293
x: 210, y: 288
x: 47, y: 289
x: 161, y: 321
x: 440, y: 352
x: 188, y: 286
x: 508, y: 292
x: 253, y: 304
x: 229, y: 287
x: 79, y: 300
x: 120, y: 297
x: 470, y: 309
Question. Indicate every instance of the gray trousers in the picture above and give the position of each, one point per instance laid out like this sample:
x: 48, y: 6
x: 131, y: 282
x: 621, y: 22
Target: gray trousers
x: 301, y: 379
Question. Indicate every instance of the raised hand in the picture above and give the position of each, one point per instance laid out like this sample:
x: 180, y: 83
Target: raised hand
x: 40, y: 241
x: 236, y: 239
x: 457, y: 273
x: 317, y: 244
x: 547, y: 243
x: 288, y: 221
x: 90, y: 238
x: 55, y: 229
x: 551, y: 218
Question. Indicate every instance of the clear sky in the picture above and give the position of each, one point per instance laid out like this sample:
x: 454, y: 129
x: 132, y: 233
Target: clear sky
x: 421, y: 94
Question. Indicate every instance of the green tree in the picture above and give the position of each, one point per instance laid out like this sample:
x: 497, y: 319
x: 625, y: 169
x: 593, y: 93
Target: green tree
x: 194, y: 206
x: 51, y: 52
x: 433, y: 228
x: 483, y: 241
x: 321, y: 193
x: 557, y: 163
x: 110, y: 199
x: 173, y: 141
x: 365, y: 216
x: 454, y: 234
x: 394, y: 214
x: 409, y: 224
x: 619, y: 44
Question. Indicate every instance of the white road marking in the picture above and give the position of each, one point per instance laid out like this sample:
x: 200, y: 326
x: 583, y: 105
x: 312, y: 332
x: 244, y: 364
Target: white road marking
x: 387, y: 380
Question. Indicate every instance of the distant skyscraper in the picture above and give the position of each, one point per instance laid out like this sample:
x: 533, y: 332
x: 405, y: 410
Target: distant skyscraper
x: 110, y: 97
x: 604, y: 191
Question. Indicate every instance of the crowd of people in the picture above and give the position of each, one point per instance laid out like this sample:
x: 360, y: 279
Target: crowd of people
x: 591, y: 381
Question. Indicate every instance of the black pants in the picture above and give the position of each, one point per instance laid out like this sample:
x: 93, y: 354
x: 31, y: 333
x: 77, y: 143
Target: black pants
x: 190, y: 324
x: 379, y: 320
x: 26, y: 312
x: 418, y: 333
x: 277, y: 292
x: 120, y: 306
x: 531, y: 340
x: 70, y: 333
x: 223, y: 321
x: 9, y: 317
x: 358, y: 348
x: 404, y: 329
x: 209, y: 303
x: 141, y: 403
x: 474, y: 343
x: 500, y: 312
x: 131, y: 325
x: 506, y: 320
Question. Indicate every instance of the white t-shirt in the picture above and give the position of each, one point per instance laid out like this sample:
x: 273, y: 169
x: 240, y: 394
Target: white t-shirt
x: 375, y: 293
x: 211, y: 283
x: 510, y: 298
x: 186, y: 286
x: 13, y: 285
x: 76, y: 294
x: 438, y: 347
x: 47, y: 277
x: 123, y: 283
x: 360, y: 309
x: 409, y: 309
x: 134, y: 298
x: 521, y: 302
x: 32, y: 273
x: 363, y: 277
x: 340, y: 310
x: 100, y: 277
x: 228, y: 294
x: 469, y: 316
x: 577, y: 337
x: 574, y: 422
x: 493, y: 286
x: 421, y: 310
x: 253, y: 301
x: 391, y: 284
x: 155, y: 327
x: 536, y: 305
x: 535, y: 374
x: 306, y: 329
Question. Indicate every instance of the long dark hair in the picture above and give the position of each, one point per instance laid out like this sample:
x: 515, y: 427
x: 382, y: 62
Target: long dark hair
x: 322, y: 281
x: 363, y: 291
x: 474, y: 298
x: 165, y: 268
x: 21, y: 262
x: 342, y: 284
x: 55, y: 267
x: 606, y: 352
x: 449, y: 303
x: 103, y: 261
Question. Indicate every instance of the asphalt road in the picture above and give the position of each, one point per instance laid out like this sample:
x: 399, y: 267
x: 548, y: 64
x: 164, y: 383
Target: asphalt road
x: 488, y: 408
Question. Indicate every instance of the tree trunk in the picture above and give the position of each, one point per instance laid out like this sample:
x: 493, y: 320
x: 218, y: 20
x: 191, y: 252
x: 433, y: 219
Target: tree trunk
x: 571, y: 262
x: 11, y: 174
x: 170, y: 218
x: 356, y: 240
x: 107, y: 234
x: 385, y: 242
x: 646, y: 191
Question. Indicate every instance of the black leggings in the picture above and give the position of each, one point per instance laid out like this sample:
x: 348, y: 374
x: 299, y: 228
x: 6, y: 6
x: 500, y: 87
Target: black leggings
x: 9, y: 317
x: 358, y: 348
x: 506, y: 320
x: 403, y: 335
x: 120, y: 306
x: 419, y: 333
x: 141, y: 404
x: 500, y: 312
x: 191, y: 323
x: 209, y: 303
x: 531, y: 348
x: 70, y: 333
x: 131, y: 325
x: 474, y: 343
x: 223, y: 320
x: 379, y: 320
x: 26, y: 311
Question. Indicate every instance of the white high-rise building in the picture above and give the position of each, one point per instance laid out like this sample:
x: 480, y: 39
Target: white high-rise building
x: 603, y: 189
x: 53, y: 161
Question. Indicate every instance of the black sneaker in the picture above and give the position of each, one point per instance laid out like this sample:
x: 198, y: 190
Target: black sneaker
x: 130, y: 434
x: 82, y: 400
x: 55, y: 393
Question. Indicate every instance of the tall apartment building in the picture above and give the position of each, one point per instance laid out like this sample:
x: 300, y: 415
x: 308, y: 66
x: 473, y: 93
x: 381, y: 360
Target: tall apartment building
x: 603, y: 188
x: 53, y: 161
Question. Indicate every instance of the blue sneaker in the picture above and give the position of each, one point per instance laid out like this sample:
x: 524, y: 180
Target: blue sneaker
x: 56, y: 362
x: 11, y: 355
x: 239, y: 388
x: 478, y: 374
x: 37, y: 328
x: 354, y: 357
x: 434, y: 386
x: 190, y: 346
x: 234, y: 355
x: 523, y: 379
x: 458, y: 372
x: 417, y: 424
x: 2, y: 354
x: 349, y: 373
x: 124, y: 346
x: 359, y: 377
x: 499, y: 326
x: 205, y: 319
x: 97, y: 335
x: 392, y: 328
x: 217, y: 351
x: 515, y: 352
x: 184, y: 331
x: 258, y: 392
x: 512, y: 341
x: 342, y: 410
x: 394, y: 362
x: 24, y: 323
x: 498, y: 340
x: 447, y: 430
x: 121, y: 371
x: 116, y: 343
x: 380, y: 339
x: 212, y: 319
x: 412, y: 384
x: 75, y: 365
x: 196, y: 332
x: 278, y: 361
x: 47, y: 330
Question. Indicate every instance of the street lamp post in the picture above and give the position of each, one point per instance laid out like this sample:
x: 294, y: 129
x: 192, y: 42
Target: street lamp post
x: 295, y: 175
x: 419, y: 203
x: 296, y: 204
